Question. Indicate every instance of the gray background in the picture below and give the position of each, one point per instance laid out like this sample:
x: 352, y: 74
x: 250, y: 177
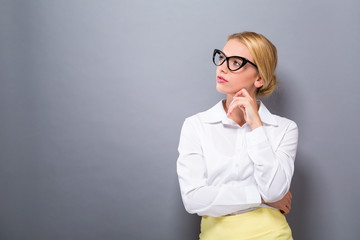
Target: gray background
x: 93, y: 95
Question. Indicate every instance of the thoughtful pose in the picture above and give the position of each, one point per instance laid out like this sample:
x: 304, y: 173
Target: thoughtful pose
x: 236, y: 160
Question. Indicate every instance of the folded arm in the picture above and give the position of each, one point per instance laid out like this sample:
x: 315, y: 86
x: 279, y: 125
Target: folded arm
x: 198, y: 197
x: 273, y: 168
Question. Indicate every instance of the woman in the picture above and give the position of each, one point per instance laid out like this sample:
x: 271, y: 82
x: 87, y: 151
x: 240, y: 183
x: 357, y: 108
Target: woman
x: 236, y: 160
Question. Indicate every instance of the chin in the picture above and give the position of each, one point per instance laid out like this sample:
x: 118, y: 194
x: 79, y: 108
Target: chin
x: 220, y: 89
x: 225, y: 91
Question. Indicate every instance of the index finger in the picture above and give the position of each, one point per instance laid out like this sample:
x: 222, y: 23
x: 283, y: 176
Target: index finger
x: 243, y: 92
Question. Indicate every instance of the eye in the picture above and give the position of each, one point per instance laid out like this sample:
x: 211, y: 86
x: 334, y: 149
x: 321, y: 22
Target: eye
x: 236, y: 63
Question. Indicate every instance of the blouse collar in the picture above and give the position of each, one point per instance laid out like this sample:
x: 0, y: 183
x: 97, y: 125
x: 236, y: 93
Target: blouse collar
x: 217, y: 114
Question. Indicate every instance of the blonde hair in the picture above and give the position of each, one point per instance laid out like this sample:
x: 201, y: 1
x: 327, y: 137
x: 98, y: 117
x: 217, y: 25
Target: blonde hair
x: 265, y: 57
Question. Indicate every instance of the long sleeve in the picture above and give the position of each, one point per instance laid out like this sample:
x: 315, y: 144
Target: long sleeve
x: 273, y: 168
x: 197, y: 195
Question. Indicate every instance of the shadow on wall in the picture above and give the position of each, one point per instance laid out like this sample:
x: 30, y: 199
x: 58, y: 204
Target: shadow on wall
x: 300, y: 188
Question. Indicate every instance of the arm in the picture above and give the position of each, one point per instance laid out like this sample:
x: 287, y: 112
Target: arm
x: 198, y: 197
x: 273, y: 168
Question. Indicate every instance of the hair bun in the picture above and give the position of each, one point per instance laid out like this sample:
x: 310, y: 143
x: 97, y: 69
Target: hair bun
x: 267, y: 89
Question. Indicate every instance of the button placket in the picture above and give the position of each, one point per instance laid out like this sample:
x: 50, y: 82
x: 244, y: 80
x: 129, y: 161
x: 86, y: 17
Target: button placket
x: 239, y: 148
x: 240, y: 139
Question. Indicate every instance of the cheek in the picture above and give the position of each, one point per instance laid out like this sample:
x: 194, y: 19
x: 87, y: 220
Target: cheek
x: 243, y: 79
x: 247, y: 77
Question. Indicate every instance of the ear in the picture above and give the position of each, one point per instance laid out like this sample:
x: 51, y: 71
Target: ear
x: 258, y: 82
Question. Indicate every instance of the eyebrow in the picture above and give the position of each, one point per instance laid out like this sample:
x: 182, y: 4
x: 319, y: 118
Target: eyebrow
x: 232, y: 56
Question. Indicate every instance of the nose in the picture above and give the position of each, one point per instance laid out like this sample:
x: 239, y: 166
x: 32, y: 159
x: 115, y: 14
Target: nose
x: 223, y: 67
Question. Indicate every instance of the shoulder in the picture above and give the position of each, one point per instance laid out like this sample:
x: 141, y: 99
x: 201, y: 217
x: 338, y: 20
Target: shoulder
x: 283, y: 121
x: 284, y: 130
x: 270, y: 119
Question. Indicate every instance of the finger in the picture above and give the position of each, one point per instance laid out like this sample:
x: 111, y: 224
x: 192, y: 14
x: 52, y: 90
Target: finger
x: 286, y: 210
x: 236, y: 102
x: 288, y: 196
x: 245, y: 93
x: 242, y: 92
x: 286, y: 202
x: 231, y: 110
x: 239, y: 93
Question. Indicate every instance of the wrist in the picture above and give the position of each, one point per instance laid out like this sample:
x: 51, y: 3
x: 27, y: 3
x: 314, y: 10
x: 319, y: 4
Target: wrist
x: 255, y: 125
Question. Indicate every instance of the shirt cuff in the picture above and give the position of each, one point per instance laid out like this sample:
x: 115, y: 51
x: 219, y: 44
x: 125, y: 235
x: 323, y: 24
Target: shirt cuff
x: 258, y: 146
x: 255, y: 137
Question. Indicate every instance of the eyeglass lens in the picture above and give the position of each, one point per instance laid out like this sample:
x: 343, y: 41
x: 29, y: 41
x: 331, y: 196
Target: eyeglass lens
x: 234, y: 63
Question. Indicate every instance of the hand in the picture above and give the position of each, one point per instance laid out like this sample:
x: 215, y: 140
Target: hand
x: 248, y: 106
x: 284, y: 205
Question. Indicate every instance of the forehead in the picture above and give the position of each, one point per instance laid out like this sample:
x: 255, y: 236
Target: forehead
x: 234, y: 47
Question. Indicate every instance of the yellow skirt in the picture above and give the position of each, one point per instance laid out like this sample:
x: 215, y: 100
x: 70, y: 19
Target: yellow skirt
x: 261, y: 223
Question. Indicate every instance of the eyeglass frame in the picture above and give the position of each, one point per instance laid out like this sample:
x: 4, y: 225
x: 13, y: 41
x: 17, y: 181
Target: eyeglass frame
x: 245, y: 60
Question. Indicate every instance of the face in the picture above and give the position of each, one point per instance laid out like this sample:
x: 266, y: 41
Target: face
x: 230, y: 82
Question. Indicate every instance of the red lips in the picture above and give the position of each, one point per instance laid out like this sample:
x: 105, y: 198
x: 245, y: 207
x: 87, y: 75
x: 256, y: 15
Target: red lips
x: 220, y: 79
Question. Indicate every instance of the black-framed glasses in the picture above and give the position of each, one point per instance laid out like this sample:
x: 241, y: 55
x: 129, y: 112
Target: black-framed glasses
x: 233, y: 63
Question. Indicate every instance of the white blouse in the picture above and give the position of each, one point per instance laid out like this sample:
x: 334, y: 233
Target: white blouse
x: 225, y: 168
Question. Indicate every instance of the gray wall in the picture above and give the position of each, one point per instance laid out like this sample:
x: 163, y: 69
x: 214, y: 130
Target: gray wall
x: 93, y: 95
